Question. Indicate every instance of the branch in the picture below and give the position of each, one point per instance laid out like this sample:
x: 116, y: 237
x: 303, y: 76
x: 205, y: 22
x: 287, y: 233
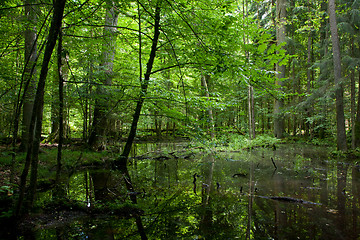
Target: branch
x: 24, y: 5
x: 191, y: 28
x: 81, y: 5
x: 82, y: 20
x: 178, y: 65
x: 112, y: 26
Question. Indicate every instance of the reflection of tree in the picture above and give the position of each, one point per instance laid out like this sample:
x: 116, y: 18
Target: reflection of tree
x: 340, y: 193
x: 166, y: 172
x: 88, y: 189
x: 251, y: 199
x: 102, y: 182
x: 206, y: 221
x: 355, y: 202
x: 324, y: 195
x: 160, y: 172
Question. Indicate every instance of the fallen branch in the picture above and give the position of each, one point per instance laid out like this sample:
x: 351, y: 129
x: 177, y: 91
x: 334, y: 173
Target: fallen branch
x: 272, y: 160
x: 289, y: 200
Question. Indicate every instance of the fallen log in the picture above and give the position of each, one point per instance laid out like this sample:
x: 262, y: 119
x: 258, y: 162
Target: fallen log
x: 289, y: 200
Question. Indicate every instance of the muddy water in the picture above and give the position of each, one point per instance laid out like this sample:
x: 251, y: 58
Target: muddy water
x: 294, y: 192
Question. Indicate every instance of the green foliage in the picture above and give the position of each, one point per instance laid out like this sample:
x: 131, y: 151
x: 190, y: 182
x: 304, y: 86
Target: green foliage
x: 233, y: 45
x: 235, y: 142
x: 6, y: 189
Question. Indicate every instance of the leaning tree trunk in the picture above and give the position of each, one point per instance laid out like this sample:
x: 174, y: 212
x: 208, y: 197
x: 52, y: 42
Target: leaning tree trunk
x: 122, y: 161
x: 281, y: 38
x: 340, y: 118
x: 97, y: 137
x: 32, y: 156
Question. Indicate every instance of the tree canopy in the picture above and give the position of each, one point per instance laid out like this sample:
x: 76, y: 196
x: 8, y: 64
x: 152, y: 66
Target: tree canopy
x: 107, y: 47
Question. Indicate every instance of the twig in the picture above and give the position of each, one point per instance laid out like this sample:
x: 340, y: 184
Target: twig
x: 272, y: 160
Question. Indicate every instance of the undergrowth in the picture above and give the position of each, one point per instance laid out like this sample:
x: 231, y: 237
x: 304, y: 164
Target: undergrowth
x: 236, y: 142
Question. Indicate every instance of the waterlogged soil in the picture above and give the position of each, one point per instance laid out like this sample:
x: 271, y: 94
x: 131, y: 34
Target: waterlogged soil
x: 291, y: 192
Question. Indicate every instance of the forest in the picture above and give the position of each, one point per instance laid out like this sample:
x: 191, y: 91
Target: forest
x: 169, y: 119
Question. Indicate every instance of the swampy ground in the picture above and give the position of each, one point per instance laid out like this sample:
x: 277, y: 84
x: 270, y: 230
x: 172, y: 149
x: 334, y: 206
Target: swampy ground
x: 287, y: 191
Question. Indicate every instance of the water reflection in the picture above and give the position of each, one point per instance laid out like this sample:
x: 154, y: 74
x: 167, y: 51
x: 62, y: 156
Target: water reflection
x: 225, y: 196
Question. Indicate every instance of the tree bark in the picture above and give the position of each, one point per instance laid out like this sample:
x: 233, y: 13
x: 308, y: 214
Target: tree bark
x: 97, y: 139
x: 357, y: 119
x: 340, y: 118
x: 30, y: 70
x: 280, y: 69
x: 37, y: 115
x: 204, y: 82
x: 122, y: 161
x: 353, y: 100
x: 251, y: 112
x: 60, y: 59
x: 309, y: 80
x: 323, y: 52
x: 353, y: 109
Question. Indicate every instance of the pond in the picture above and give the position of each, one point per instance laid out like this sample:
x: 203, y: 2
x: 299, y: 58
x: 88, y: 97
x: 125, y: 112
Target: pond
x: 293, y: 192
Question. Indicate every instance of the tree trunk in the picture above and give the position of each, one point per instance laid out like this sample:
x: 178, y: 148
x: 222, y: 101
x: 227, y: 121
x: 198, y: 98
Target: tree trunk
x: 97, y: 139
x: 340, y: 118
x: 56, y: 112
x: 280, y: 69
x: 352, y: 100
x: 30, y: 70
x: 204, y: 83
x: 324, y: 46
x: 61, y: 109
x: 353, y: 109
x: 357, y: 119
x: 309, y: 81
x: 251, y: 112
x: 37, y: 115
x: 122, y: 161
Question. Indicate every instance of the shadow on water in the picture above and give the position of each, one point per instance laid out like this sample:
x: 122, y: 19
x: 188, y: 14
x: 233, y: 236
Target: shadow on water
x: 217, y: 196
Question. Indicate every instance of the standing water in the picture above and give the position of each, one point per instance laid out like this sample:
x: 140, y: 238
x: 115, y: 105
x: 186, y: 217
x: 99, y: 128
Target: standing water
x: 294, y: 192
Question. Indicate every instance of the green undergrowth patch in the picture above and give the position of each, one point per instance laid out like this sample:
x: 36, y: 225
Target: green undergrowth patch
x: 236, y: 142
x: 74, y: 158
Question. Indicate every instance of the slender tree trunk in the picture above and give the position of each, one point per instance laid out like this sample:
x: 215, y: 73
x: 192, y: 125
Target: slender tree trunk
x: 28, y: 97
x: 204, y: 82
x: 55, y: 102
x: 296, y: 90
x: 353, y: 109
x: 251, y: 109
x: 353, y: 101
x: 30, y: 70
x: 323, y: 52
x: 309, y: 80
x: 36, y: 118
x: 279, y: 124
x: 61, y: 107
x: 340, y: 118
x: 357, y: 119
x: 122, y: 161
x: 97, y: 137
